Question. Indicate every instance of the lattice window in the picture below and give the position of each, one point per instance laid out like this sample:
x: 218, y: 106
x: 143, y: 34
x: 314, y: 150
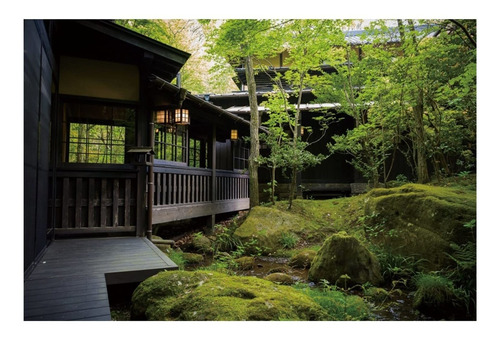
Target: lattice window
x: 97, y: 133
x: 171, y: 143
x: 241, y: 154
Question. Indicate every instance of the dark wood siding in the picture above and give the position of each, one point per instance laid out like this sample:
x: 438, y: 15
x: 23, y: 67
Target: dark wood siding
x: 37, y: 111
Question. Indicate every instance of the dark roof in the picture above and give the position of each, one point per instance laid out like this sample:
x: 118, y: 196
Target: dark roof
x: 105, y: 40
x: 211, y: 108
x: 262, y: 77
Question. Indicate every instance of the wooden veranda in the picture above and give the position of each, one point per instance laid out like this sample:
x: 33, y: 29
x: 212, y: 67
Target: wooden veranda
x: 70, y: 280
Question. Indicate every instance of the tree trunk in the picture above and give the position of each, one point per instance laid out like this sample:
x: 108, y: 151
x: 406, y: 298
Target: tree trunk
x: 296, y: 136
x: 418, y: 115
x: 273, y: 184
x: 253, y: 165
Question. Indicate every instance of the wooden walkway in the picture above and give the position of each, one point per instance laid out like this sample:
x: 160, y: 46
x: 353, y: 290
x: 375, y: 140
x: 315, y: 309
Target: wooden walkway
x: 69, y: 282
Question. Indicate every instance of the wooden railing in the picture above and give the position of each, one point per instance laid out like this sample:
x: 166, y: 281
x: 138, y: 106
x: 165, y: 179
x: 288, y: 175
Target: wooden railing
x: 184, y: 192
x: 93, y: 201
x: 181, y: 185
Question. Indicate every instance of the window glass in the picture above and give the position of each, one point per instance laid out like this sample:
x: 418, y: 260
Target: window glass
x: 170, y: 143
x: 97, y: 133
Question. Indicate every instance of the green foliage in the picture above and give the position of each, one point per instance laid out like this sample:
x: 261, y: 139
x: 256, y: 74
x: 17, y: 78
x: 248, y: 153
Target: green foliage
x: 413, y: 97
x: 225, y: 241
x: 396, y: 267
x: 339, y: 305
x: 288, y: 240
x: 178, y: 258
x: 186, y: 35
x: 464, y: 274
x: 432, y: 290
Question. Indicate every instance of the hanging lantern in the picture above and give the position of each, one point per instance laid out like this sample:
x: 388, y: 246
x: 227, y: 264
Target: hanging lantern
x: 163, y: 117
x: 302, y: 130
x: 234, y: 134
x: 181, y: 116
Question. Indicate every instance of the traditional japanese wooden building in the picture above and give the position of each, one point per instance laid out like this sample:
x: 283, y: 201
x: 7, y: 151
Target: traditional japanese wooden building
x: 334, y: 176
x: 111, y: 147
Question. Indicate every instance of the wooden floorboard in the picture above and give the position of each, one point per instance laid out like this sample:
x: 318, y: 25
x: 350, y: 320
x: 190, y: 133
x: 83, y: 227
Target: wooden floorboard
x: 70, y: 281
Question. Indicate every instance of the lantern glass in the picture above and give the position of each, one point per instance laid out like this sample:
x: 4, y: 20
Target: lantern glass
x: 163, y: 117
x: 160, y: 116
x: 182, y: 116
x: 234, y: 134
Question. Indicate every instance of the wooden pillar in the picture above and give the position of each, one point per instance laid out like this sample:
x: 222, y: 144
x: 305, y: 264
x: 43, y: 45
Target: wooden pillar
x: 142, y: 133
x: 213, y: 184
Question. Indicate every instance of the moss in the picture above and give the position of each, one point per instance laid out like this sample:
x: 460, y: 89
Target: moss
x: 303, y: 259
x: 376, y: 294
x: 202, y: 244
x: 339, y: 305
x: 192, y: 258
x: 215, y: 296
x: 419, y: 220
x: 434, y: 296
x: 343, y: 254
x: 245, y: 262
x: 280, y: 278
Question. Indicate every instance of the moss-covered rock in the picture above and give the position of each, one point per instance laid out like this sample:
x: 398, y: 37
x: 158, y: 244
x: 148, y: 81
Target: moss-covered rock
x: 341, y: 255
x: 192, y: 258
x: 202, y: 244
x: 204, y: 295
x: 303, y: 259
x: 419, y: 220
x: 268, y: 225
x: 280, y: 278
x: 245, y: 262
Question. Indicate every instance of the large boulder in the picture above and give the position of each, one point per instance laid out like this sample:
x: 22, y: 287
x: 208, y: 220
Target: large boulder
x: 268, y: 226
x: 420, y: 220
x: 343, y: 259
x: 204, y: 295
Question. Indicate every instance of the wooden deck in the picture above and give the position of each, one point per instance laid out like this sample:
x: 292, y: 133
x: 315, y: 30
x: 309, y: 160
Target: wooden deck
x: 69, y: 282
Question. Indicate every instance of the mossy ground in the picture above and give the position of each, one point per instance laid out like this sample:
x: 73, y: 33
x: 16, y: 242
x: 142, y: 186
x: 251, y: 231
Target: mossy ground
x: 396, y: 222
x: 205, y: 295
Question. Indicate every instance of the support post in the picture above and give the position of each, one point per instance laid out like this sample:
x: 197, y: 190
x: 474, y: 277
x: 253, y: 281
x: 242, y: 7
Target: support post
x: 213, y: 161
x: 149, y: 231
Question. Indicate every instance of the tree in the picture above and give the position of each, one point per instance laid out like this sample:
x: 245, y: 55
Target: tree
x: 308, y: 43
x: 186, y: 35
x: 416, y: 97
x: 239, y: 42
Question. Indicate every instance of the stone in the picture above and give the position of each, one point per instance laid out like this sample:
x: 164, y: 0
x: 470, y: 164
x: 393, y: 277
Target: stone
x: 192, y: 258
x: 303, y: 259
x: 280, y: 278
x: 342, y: 259
x: 214, y: 296
x: 202, y: 244
x: 245, y: 262
x: 420, y: 220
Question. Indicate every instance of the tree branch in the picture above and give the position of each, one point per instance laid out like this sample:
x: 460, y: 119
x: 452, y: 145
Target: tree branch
x: 462, y: 27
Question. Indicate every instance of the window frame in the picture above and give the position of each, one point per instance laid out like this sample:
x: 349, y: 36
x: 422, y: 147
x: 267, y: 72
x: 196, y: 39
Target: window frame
x: 63, y: 140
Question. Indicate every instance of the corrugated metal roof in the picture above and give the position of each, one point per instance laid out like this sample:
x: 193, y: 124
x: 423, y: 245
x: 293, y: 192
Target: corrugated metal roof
x: 361, y: 37
x: 303, y: 107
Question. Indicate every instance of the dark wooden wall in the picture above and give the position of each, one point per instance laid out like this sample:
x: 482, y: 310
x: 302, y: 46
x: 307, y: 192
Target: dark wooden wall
x: 38, y: 70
